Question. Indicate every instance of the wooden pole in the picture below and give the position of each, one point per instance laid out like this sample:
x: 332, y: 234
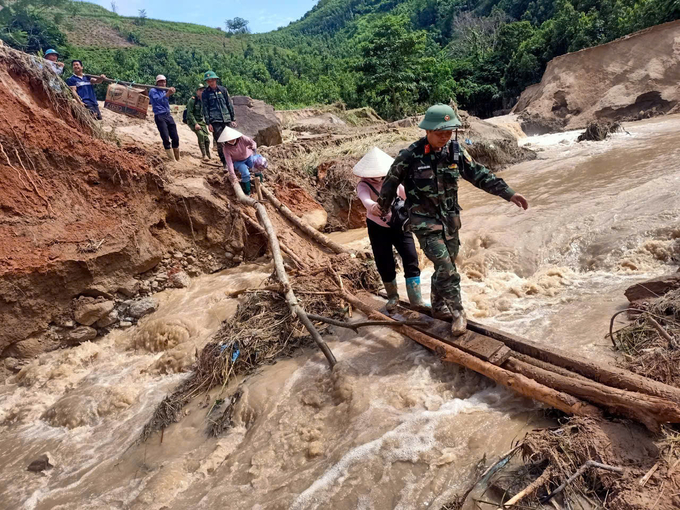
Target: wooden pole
x: 281, y: 274
x: 298, y: 262
x: 303, y: 225
x: 127, y: 83
x: 607, y: 375
x: 610, y: 376
x: 516, y: 382
x: 647, y: 409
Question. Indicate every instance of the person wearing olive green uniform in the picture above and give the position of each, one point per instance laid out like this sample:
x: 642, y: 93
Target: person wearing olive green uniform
x: 197, y: 124
x: 218, y: 110
x: 430, y: 170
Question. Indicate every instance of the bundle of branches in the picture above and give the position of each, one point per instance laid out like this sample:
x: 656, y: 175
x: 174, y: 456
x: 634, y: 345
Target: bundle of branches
x: 498, y: 154
x: 598, y: 131
x: 262, y: 331
x: 57, y: 93
x: 561, y: 452
x: 651, y: 343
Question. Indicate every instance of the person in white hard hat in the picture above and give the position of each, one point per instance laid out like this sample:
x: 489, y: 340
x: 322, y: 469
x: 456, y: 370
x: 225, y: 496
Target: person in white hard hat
x: 239, y: 155
x: 372, y: 169
x: 164, y: 121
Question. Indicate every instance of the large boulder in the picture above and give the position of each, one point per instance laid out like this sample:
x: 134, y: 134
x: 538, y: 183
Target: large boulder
x: 257, y: 120
x: 653, y: 288
x: 89, y: 310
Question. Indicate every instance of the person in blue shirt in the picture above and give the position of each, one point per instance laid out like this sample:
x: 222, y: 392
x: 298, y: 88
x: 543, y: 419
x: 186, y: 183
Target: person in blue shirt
x: 82, y: 88
x: 164, y: 121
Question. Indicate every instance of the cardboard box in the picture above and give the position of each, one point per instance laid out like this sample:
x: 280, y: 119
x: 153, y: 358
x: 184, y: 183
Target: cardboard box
x: 128, y: 101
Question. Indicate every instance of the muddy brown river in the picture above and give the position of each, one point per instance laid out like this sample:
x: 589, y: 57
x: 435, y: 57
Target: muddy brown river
x: 392, y: 427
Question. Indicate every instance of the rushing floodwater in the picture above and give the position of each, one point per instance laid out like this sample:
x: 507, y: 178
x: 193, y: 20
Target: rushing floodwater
x: 391, y: 427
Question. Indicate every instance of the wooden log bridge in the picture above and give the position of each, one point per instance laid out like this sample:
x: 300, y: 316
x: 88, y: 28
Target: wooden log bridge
x: 554, y: 377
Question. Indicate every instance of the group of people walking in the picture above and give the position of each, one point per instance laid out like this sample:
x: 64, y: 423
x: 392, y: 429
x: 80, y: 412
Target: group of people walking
x: 416, y: 193
x: 209, y: 110
x: 423, y: 180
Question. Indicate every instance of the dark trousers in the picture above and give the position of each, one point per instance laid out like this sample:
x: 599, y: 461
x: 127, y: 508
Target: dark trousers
x: 218, y: 127
x: 168, y: 130
x: 94, y: 110
x: 382, y: 240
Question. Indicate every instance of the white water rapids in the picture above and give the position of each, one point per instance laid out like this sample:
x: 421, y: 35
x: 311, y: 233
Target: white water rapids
x: 392, y: 427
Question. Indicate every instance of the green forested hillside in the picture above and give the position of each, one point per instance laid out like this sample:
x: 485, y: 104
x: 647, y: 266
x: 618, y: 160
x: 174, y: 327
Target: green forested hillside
x: 397, y: 56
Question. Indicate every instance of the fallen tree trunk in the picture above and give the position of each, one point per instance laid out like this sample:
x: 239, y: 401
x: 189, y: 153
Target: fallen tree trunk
x: 281, y: 274
x: 517, y: 382
x: 302, y: 225
x: 647, y: 409
x: 608, y: 375
x: 298, y: 262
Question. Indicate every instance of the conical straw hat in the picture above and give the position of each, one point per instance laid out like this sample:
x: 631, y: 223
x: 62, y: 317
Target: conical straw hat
x: 374, y: 164
x: 229, y: 134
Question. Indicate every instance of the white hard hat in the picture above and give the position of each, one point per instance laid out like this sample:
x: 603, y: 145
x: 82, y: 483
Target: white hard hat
x: 228, y: 135
x: 160, y: 77
x: 374, y: 164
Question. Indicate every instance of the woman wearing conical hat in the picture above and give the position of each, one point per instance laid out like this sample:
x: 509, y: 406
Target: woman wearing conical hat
x: 372, y: 169
x: 239, y: 154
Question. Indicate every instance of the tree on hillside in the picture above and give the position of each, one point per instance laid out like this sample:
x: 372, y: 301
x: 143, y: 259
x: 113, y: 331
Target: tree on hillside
x: 141, y: 19
x: 25, y: 24
x: 475, y: 36
x: 114, y: 7
x: 391, y: 61
x: 237, y: 26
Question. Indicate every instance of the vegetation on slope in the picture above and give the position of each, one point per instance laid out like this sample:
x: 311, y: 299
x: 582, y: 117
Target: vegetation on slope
x: 397, y: 56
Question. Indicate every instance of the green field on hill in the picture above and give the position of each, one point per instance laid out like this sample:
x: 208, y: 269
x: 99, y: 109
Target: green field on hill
x: 397, y: 56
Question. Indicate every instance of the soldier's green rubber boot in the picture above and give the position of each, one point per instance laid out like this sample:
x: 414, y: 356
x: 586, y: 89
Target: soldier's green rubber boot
x: 440, y: 309
x: 207, y: 149
x: 392, y: 295
x: 459, y: 323
x: 415, y: 296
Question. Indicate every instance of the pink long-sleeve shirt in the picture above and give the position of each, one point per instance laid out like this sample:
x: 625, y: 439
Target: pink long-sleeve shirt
x: 368, y: 198
x: 241, y: 150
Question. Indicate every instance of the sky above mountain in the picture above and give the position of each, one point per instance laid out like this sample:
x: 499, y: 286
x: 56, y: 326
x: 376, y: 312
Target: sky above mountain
x: 263, y: 15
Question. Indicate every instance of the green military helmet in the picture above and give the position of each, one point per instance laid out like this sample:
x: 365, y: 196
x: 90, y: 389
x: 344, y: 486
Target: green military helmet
x: 440, y: 117
x: 209, y: 75
x: 200, y: 86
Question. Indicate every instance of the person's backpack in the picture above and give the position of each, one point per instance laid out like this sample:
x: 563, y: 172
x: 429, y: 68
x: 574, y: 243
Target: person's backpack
x: 399, y: 213
x: 184, y: 116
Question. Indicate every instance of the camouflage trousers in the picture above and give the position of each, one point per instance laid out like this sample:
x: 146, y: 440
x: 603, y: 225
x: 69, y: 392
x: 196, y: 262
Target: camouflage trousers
x: 442, y: 250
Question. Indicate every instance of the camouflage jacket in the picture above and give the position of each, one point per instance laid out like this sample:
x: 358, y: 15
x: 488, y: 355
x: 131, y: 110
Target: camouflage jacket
x: 217, y: 105
x: 431, y: 182
x: 195, y: 112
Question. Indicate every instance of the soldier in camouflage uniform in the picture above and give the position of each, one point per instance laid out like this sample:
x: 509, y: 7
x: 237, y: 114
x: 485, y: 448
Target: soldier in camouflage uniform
x: 197, y: 124
x: 430, y: 170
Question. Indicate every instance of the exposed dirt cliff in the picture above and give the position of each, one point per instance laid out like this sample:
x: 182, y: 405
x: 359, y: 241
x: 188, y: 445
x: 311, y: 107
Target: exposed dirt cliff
x: 631, y: 78
x: 79, y: 215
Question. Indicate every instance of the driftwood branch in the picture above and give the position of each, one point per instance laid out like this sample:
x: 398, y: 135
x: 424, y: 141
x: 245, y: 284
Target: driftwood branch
x: 302, y: 225
x: 516, y: 382
x: 281, y: 274
x: 284, y: 248
x: 354, y: 326
x: 488, y: 473
x: 528, y: 490
x: 672, y: 343
x: 579, y: 472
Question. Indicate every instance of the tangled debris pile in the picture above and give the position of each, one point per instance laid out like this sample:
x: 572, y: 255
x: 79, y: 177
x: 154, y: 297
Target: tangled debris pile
x: 598, y: 131
x: 262, y: 331
x: 650, y: 345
